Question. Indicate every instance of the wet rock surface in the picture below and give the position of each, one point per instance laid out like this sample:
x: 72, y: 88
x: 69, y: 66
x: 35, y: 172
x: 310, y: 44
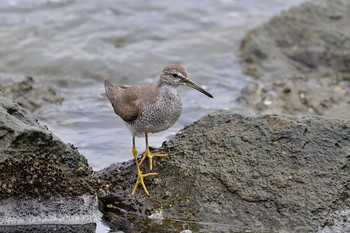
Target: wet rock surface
x: 301, y: 62
x: 34, y: 162
x: 272, y: 172
x: 88, y: 228
x: 37, y: 167
x: 32, y: 95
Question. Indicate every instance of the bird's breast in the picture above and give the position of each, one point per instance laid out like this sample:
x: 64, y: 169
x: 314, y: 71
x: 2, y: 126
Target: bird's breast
x: 160, y: 115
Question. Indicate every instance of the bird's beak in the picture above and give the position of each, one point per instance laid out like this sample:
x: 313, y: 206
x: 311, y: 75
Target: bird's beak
x: 192, y: 84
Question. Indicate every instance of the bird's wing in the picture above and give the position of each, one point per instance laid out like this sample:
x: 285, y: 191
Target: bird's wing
x: 123, y: 100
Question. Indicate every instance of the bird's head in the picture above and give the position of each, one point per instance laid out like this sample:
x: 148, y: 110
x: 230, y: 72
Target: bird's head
x: 176, y: 75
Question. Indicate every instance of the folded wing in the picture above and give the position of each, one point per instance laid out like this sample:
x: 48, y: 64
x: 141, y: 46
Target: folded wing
x: 123, y: 100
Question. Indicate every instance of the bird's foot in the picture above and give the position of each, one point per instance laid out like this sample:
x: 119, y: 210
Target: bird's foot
x: 139, y: 180
x: 150, y: 156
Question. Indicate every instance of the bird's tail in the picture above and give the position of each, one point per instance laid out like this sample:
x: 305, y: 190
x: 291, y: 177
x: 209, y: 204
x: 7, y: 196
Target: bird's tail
x: 110, y: 89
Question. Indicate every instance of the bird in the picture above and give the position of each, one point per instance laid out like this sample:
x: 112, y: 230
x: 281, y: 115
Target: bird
x: 150, y: 108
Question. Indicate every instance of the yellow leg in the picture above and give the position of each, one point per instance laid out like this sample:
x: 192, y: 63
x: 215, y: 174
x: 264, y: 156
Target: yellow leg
x: 140, y: 176
x: 149, y: 155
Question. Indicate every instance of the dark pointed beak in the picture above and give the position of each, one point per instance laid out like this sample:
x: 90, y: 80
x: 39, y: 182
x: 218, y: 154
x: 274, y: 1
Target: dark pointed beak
x: 192, y: 84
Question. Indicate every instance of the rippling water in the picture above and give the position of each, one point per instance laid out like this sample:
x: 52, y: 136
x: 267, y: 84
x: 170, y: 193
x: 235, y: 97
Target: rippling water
x: 75, y: 45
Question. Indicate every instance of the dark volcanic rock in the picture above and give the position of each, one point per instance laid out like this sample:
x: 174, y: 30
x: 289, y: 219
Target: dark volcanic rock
x: 32, y: 95
x: 301, y: 61
x: 87, y: 228
x: 312, y: 38
x: 34, y: 162
x: 36, y: 165
x: 271, y: 172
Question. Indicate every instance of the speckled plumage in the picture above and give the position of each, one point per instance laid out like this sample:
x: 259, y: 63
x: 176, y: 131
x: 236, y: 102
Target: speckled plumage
x: 150, y: 108
x: 156, y: 109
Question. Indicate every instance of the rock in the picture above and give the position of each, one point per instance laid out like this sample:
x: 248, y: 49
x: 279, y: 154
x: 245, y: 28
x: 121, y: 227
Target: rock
x: 231, y: 172
x: 301, y: 61
x: 36, y: 166
x: 32, y: 95
x: 88, y: 228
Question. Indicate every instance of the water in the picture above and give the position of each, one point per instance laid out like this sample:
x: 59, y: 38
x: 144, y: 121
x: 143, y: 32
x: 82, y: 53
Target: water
x: 74, y: 45
x: 83, y: 210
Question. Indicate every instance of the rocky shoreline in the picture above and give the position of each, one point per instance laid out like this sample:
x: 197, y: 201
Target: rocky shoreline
x: 283, y: 169
x: 300, y: 62
x: 260, y: 173
x: 273, y: 172
x: 36, y: 167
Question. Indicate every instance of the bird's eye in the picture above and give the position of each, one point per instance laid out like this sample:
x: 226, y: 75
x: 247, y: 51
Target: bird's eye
x: 175, y: 75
